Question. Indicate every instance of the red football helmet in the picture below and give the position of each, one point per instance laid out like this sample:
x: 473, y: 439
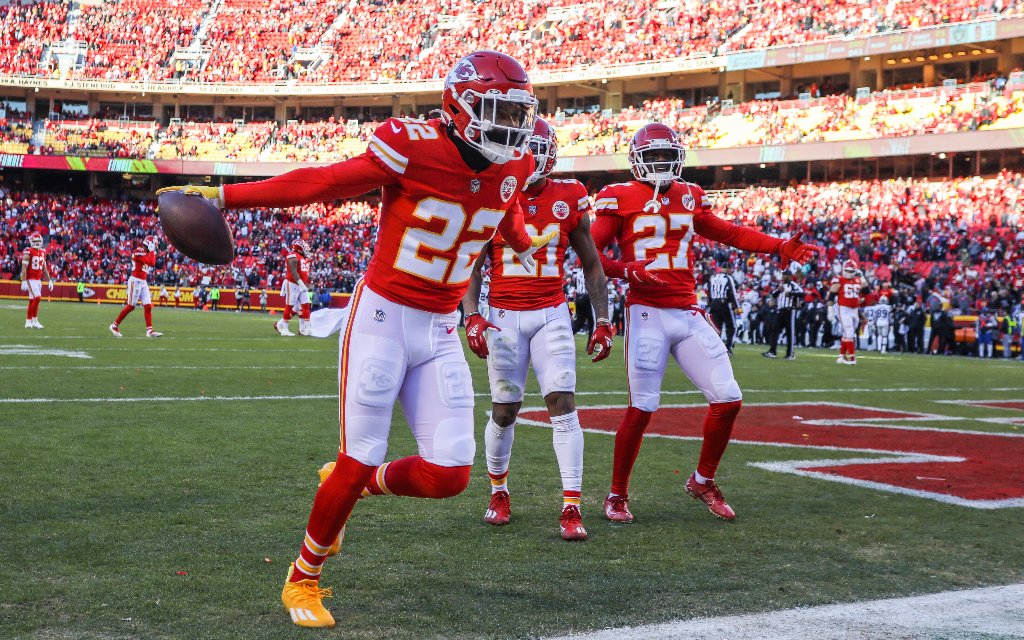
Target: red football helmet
x: 489, y: 101
x: 150, y: 242
x: 849, y: 269
x: 35, y: 241
x: 302, y: 248
x: 544, y: 147
x: 656, y: 155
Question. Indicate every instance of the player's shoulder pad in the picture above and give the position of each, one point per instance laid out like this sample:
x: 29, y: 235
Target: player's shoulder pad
x: 391, y: 142
x: 578, y: 192
x: 607, y: 199
x: 698, y: 193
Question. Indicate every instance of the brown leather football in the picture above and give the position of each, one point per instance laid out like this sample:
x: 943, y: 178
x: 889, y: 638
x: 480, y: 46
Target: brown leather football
x: 196, y: 228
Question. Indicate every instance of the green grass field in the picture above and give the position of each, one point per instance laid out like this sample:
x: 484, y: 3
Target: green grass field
x: 176, y: 518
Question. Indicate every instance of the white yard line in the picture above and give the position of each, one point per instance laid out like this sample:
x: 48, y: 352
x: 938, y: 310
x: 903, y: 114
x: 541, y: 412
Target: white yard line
x: 991, y: 611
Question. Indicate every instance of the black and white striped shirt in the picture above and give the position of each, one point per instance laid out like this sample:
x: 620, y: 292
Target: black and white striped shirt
x: 789, y: 295
x: 580, y: 282
x: 722, y: 288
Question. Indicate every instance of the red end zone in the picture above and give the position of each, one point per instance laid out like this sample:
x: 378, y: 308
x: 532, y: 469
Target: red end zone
x: 953, y: 466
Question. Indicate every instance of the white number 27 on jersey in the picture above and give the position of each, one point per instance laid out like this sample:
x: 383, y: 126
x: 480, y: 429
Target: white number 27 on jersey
x: 435, y: 268
x: 655, y: 243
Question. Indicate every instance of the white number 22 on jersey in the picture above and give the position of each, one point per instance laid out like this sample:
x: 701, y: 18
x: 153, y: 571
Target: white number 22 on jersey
x: 656, y: 242
x: 512, y: 268
x: 454, y: 216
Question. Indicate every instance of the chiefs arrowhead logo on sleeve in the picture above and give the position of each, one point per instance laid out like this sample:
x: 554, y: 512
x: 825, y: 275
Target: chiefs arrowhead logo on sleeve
x: 508, y: 188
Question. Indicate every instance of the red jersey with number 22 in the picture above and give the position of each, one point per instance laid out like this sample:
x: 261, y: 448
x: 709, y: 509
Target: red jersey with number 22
x: 437, y: 216
x: 558, y: 207
x: 849, y: 291
x: 36, y: 262
x: 143, y: 262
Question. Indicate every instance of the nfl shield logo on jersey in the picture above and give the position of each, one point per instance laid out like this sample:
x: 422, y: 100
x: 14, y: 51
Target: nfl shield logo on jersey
x: 689, y: 202
x: 508, y: 188
x: 379, y: 315
x: 474, y: 185
x: 532, y: 209
x: 560, y: 209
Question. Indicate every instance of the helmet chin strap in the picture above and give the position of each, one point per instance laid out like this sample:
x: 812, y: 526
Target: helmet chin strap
x: 653, y: 206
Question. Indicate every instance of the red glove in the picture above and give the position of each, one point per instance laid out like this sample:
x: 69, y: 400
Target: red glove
x: 601, y: 341
x: 797, y: 250
x: 476, y: 326
x: 636, y: 273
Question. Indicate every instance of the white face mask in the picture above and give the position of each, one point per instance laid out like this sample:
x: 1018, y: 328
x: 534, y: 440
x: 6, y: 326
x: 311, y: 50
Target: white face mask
x: 501, y: 123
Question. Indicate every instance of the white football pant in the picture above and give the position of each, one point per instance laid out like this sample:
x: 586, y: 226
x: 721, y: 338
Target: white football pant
x: 652, y: 334
x: 849, y: 319
x: 393, y: 352
x: 543, y: 337
x: 138, y: 293
x: 35, y: 289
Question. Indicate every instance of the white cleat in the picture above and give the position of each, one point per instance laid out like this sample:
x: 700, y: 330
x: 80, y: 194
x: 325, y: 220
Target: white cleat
x: 114, y: 330
x: 29, y: 325
x: 153, y: 334
x: 304, y: 328
x: 35, y: 324
x: 282, y: 328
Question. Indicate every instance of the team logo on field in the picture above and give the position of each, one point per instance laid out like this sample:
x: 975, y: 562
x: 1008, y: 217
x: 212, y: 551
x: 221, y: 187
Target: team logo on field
x: 532, y: 209
x: 560, y: 209
x: 688, y: 201
x: 508, y: 188
x: 474, y: 185
x: 379, y: 315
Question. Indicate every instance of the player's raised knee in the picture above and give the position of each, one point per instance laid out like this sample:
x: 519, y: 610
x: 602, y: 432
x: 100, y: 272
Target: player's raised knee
x: 446, y: 482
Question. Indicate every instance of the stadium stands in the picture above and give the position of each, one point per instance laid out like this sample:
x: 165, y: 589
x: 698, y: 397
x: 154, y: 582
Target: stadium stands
x: 258, y: 40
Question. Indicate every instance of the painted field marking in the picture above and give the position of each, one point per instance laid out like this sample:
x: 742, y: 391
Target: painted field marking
x: 987, y: 612
x: 33, y: 350
x: 974, y: 469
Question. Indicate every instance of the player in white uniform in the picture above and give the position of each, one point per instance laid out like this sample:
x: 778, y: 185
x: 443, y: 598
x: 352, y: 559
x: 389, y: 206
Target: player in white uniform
x: 883, y: 323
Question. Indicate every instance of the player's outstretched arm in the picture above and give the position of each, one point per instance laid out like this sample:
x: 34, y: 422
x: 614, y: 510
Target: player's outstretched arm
x: 476, y: 324
x: 341, y: 180
x: 714, y: 228
x: 597, y: 288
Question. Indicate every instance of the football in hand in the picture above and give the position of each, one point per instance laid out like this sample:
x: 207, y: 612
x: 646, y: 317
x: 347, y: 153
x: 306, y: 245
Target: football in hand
x: 196, y: 228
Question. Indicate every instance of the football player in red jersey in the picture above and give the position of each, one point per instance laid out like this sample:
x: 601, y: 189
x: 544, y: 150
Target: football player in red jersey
x: 33, y: 268
x: 529, y: 322
x: 295, y: 289
x: 654, y: 219
x: 848, y: 288
x: 143, y: 261
x: 448, y: 184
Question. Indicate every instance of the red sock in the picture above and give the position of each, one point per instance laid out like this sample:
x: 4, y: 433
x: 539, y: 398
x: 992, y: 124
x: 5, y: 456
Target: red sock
x: 717, y: 430
x: 124, y: 312
x: 35, y: 307
x: 30, y: 312
x: 627, y: 447
x: 287, y: 312
x: 304, y: 314
x: 415, y: 477
x: 147, y: 310
x: 331, y: 507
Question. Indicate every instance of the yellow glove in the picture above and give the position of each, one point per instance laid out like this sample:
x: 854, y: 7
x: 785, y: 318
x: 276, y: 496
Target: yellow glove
x: 536, y: 242
x: 210, y: 193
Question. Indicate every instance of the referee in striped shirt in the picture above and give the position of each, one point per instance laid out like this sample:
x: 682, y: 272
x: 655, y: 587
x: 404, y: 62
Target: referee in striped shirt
x: 788, y: 298
x: 584, y: 312
x: 723, y: 303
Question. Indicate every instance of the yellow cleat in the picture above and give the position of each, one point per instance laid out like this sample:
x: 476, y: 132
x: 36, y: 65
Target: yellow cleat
x: 302, y: 601
x: 325, y: 471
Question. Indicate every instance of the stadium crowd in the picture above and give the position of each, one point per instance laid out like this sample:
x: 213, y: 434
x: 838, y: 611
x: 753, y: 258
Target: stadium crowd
x: 257, y: 40
x: 890, y: 113
x: 947, y: 248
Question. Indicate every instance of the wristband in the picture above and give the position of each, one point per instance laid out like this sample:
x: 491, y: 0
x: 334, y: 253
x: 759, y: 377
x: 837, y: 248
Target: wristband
x: 603, y: 321
x: 470, y: 315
